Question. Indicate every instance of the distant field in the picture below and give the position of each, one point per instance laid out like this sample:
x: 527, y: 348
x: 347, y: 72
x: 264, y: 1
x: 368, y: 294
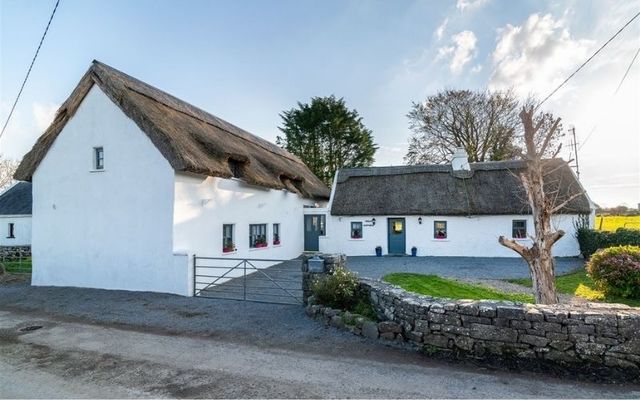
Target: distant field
x: 613, y: 222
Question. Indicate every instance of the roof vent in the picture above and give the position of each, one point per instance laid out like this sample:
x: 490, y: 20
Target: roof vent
x: 460, y: 160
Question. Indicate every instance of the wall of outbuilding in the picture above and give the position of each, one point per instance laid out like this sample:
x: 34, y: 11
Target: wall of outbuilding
x: 108, y: 229
x: 474, y: 236
x: 21, y: 230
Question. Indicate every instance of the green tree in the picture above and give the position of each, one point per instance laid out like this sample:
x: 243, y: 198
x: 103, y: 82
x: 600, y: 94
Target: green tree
x: 327, y: 136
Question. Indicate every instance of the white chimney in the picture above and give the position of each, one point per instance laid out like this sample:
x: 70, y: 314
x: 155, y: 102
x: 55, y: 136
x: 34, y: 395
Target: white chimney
x: 460, y: 160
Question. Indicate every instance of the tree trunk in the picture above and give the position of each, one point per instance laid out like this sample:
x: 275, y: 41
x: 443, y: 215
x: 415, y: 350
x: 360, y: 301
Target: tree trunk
x: 543, y: 276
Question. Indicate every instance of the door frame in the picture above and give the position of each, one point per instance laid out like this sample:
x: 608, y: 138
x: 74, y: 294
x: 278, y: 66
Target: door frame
x: 404, y: 231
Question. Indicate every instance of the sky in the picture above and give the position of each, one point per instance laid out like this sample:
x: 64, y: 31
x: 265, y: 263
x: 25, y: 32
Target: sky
x: 247, y: 61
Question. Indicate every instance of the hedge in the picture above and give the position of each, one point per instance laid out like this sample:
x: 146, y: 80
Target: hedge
x: 591, y: 240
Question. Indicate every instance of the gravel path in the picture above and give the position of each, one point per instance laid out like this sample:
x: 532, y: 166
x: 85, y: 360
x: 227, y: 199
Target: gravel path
x: 455, y: 267
x: 260, y: 323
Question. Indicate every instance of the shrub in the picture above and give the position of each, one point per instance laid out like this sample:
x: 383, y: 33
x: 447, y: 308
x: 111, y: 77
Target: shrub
x: 591, y: 240
x: 338, y: 290
x: 616, y: 271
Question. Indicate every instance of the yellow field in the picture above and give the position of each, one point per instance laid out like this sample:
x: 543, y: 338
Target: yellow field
x: 613, y: 222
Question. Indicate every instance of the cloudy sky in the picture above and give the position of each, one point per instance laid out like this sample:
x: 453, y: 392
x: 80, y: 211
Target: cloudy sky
x: 246, y: 61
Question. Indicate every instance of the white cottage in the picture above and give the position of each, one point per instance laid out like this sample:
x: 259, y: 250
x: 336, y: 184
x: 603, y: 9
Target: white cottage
x: 15, y: 216
x: 443, y: 210
x: 129, y: 182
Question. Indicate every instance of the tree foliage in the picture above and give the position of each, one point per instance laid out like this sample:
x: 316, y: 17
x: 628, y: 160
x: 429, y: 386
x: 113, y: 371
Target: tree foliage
x: 485, y: 123
x: 327, y: 136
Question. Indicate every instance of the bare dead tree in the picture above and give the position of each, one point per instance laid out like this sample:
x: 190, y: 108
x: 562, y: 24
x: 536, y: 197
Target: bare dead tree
x: 7, y: 169
x: 538, y: 135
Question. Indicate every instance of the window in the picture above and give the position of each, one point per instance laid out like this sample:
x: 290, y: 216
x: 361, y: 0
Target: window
x: 257, y: 235
x: 10, y: 234
x: 519, y: 229
x: 276, y: 234
x: 356, y: 230
x: 98, y: 158
x: 439, y: 229
x: 228, y: 244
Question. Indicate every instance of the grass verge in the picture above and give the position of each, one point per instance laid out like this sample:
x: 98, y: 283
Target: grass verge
x: 579, y: 284
x: 23, y: 266
x: 433, y: 285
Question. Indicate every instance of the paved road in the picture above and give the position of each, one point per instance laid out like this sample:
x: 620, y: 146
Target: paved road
x: 457, y: 267
x: 75, y: 359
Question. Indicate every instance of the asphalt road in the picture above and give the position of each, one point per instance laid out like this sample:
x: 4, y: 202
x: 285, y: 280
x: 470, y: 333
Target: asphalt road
x: 68, y: 358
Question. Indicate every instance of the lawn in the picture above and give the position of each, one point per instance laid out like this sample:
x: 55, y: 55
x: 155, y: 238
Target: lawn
x: 22, y: 266
x: 433, y: 285
x: 613, y: 222
x: 578, y: 283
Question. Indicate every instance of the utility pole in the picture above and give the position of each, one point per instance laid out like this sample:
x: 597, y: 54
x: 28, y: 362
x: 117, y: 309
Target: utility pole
x: 575, y: 149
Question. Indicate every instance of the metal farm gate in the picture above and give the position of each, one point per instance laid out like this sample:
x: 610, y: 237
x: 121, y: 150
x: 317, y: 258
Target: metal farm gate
x: 258, y: 280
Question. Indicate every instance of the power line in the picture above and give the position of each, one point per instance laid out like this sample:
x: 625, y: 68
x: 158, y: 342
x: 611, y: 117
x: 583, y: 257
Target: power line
x: 613, y: 95
x: 588, y: 60
x: 29, y: 70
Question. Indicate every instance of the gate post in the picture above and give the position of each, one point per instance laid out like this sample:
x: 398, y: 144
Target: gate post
x: 331, y: 262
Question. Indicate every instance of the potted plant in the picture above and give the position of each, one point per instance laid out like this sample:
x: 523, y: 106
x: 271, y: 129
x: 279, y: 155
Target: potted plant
x: 379, y: 251
x: 261, y: 241
x: 228, y: 246
x: 276, y: 239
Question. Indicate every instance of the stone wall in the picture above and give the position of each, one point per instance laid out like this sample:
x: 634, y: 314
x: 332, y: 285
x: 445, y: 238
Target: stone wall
x: 14, y: 253
x: 331, y: 262
x: 597, y: 340
x: 593, y: 334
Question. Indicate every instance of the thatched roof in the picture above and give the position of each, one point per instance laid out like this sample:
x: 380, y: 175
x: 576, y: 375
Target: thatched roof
x: 191, y: 139
x: 490, y: 188
x: 16, y: 200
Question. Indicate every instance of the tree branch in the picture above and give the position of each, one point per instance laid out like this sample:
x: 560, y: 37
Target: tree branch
x: 517, y: 247
x: 564, y: 203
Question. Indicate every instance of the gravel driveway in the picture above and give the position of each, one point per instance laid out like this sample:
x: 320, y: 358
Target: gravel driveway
x: 456, y: 267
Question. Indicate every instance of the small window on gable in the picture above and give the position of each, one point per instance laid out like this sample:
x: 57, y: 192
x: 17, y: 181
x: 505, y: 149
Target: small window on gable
x: 439, y: 229
x: 228, y: 245
x: 10, y: 233
x: 276, y: 234
x: 98, y: 158
x: 356, y: 230
x: 257, y: 235
x: 519, y: 229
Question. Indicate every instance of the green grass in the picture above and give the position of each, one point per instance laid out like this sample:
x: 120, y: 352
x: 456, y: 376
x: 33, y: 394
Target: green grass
x: 433, y: 285
x: 579, y: 284
x: 23, y: 266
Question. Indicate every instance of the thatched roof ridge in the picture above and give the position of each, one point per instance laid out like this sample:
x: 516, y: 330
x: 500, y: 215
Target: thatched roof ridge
x: 16, y: 200
x: 191, y: 139
x: 490, y: 188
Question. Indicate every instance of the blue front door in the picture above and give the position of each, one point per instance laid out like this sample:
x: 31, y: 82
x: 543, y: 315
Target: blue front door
x: 397, y: 236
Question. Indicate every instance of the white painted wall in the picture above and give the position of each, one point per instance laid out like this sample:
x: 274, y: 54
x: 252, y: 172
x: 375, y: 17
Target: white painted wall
x: 110, y: 229
x: 467, y: 236
x: 203, y: 204
x: 21, y: 230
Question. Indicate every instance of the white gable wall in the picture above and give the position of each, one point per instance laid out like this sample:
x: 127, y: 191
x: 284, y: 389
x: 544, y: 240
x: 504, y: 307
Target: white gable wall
x: 475, y: 236
x: 21, y: 230
x: 110, y: 229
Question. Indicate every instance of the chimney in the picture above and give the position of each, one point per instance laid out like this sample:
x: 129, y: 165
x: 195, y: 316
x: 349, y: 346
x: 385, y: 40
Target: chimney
x: 460, y: 160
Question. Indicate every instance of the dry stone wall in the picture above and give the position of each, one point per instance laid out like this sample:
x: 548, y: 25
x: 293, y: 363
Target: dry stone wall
x: 593, y: 333
x: 601, y: 340
x: 11, y: 253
